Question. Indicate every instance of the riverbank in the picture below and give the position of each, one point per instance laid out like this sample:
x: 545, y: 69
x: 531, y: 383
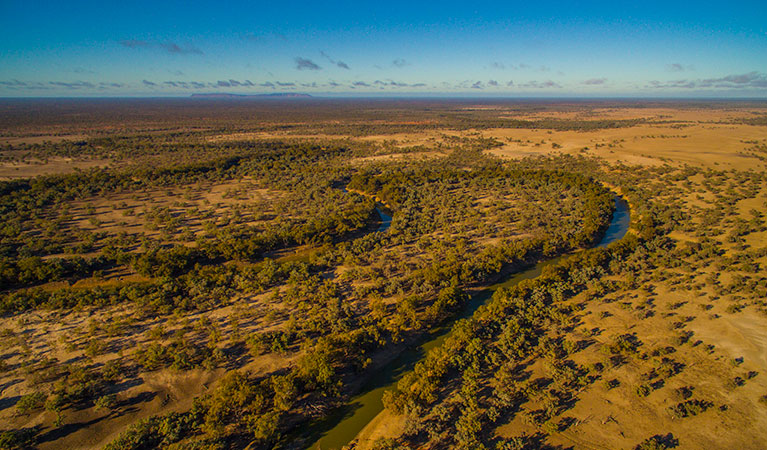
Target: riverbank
x: 364, y: 416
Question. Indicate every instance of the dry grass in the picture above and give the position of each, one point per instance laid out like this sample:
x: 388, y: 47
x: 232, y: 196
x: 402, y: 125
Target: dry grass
x: 51, y: 166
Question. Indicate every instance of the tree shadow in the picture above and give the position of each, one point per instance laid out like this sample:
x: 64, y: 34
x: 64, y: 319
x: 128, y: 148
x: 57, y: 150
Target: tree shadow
x: 126, y: 384
x: 584, y: 344
x: 136, y: 399
x: 66, y: 430
x: 8, y: 402
x: 237, y: 355
x: 10, y: 383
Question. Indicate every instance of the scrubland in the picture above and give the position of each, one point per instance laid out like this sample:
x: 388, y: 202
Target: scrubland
x: 190, y: 274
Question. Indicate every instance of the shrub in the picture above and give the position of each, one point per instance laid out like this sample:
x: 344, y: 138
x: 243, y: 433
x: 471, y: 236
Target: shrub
x: 155, y: 432
x: 657, y: 442
x: 643, y: 390
x: 108, y: 402
x: 735, y: 382
x: 624, y: 345
x: 683, y: 393
x: 31, y: 402
x: 18, y: 439
x: 689, y: 408
x: 113, y: 370
x: 387, y: 444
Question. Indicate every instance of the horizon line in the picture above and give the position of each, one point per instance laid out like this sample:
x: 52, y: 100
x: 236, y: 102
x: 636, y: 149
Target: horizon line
x: 296, y: 96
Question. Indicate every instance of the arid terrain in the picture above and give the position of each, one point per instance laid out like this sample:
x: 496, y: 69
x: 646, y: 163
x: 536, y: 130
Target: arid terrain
x: 193, y: 274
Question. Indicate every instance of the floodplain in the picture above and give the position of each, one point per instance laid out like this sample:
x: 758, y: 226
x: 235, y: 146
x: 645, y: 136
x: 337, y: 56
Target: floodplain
x: 198, y: 273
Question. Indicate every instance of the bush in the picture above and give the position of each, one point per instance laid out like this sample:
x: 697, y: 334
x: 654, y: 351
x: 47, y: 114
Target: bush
x: 643, y: 390
x: 387, y: 444
x: 155, y: 432
x: 523, y: 442
x: 658, y: 442
x: 108, y: 402
x: 735, y: 382
x: 683, y: 393
x: 18, y: 439
x: 30, y: 402
x: 113, y: 370
x: 689, y: 408
x: 624, y: 345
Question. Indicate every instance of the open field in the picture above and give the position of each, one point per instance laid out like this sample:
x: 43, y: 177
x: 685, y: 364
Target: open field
x: 194, y: 274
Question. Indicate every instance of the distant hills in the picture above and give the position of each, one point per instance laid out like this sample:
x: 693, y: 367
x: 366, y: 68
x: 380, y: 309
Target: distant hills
x: 276, y: 94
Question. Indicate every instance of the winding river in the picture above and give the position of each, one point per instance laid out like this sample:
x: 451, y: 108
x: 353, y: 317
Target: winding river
x: 343, y: 425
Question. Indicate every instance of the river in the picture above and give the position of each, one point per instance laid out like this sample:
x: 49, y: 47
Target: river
x: 343, y: 425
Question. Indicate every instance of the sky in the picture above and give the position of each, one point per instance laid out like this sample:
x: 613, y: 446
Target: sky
x: 393, y: 48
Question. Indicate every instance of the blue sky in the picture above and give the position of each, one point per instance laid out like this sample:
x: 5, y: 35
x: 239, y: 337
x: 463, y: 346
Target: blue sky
x: 394, y: 48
